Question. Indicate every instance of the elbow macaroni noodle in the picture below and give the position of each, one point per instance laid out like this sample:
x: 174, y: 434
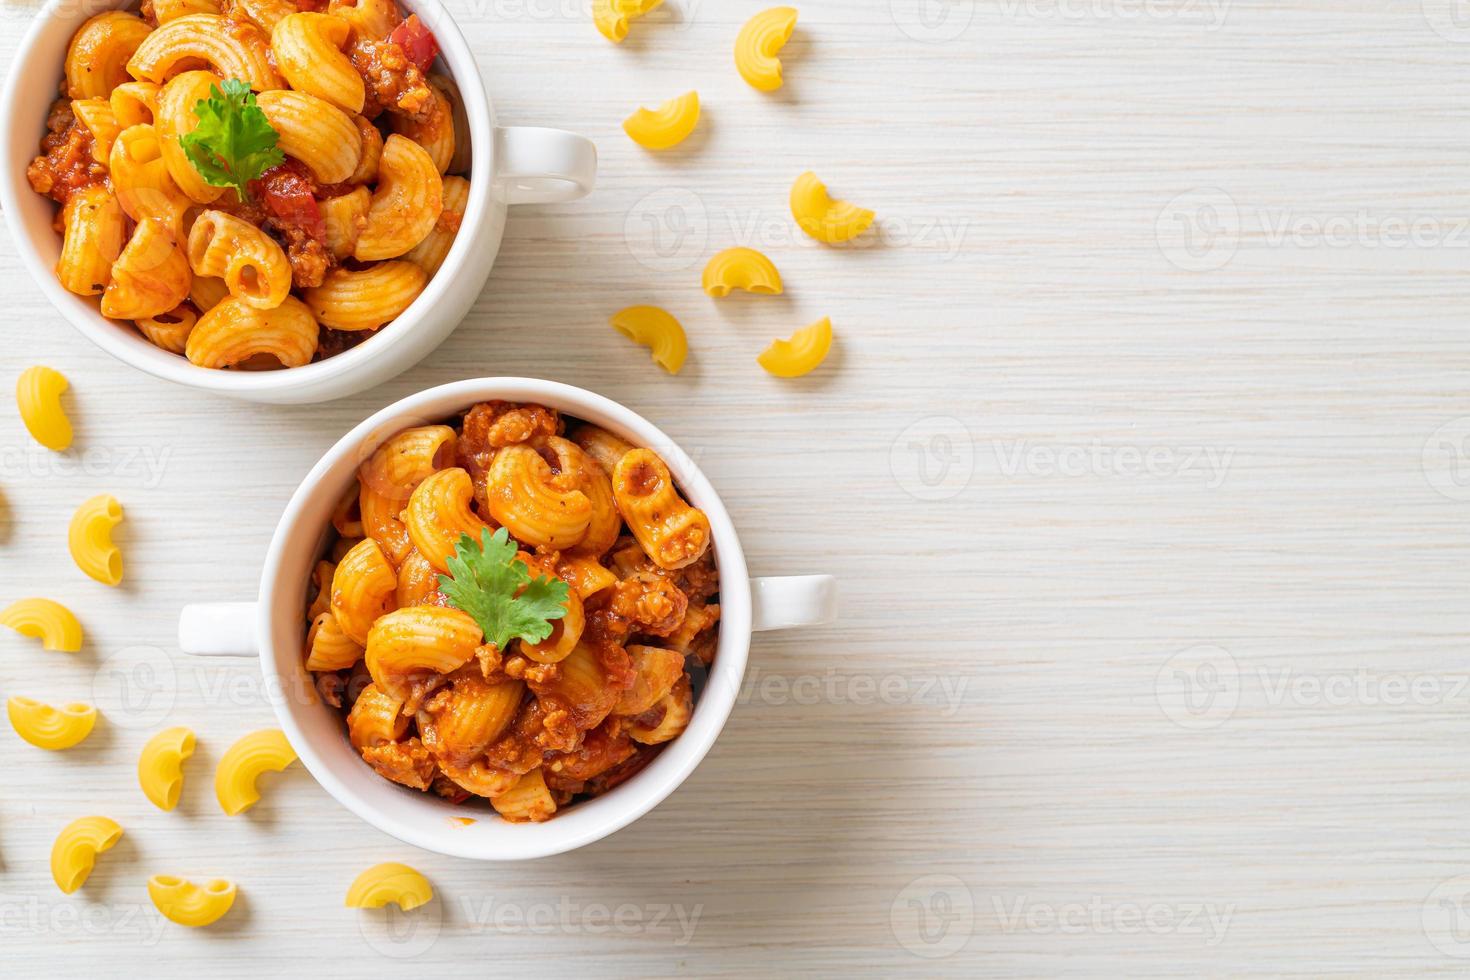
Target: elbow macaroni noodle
x: 233, y: 331
x: 150, y: 277
x: 97, y: 58
x: 74, y: 854
x: 611, y: 16
x: 167, y: 10
x: 315, y: 132
x: 50, y: 622
x: 48, y: 727
x: 90, y: 539
x: 308, y: 50
x: 800, y: 355
x: 363, y: 588
x: 38, y: 396
x: 365, y: 299
x: 244, y: 762
x: 407, y: 203
x: 92, y: 237
x: 658, y: 331
x: 817, y: 214
x: 439, y: 510
x: 130, y: 202
x: 741, y: 268
x: 254, y: 268
x: 536, y: 725
x: 141, y: 179
x: 101, y: 122
x: 188, y: 904
x: 173, y: 117
x: 161, y: 766
x: 672, y: 533
x: 224, y: 45
x: 538, y: 507
x: 266, y: 14
x: 386, y: 883
x: 667, y: 126
x: 430, y: 253
x: 170, y: 330
x: 758, y: 43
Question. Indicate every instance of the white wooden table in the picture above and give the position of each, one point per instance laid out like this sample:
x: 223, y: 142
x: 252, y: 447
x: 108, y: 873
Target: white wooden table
x: 1144, y: 459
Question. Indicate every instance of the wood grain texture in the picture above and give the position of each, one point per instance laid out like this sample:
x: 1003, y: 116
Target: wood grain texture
x: 1141, y: 457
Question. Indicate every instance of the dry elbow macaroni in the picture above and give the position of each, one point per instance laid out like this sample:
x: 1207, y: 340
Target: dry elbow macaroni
x: 657, y: 330
x: 828, y: 221
x: 161, y: 766
x: 374, y: 152
x: 75, y: 852
x: 667, y: 126
x: 800, y: 355
x: 758, y: 43
x: 50, y: 622
x: 90, y: 539
x: 48, y: 727
x: 612, y: 16
x: 741, y: 268
x: 245, y: 762
x: 430, y: 701
x: 389, y: 882
x: 188, y: 904
x: 38, y: 396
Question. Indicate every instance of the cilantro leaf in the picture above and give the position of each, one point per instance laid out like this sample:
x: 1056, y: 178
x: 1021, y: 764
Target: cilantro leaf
x: 234, y: 142
x: 496, y: 588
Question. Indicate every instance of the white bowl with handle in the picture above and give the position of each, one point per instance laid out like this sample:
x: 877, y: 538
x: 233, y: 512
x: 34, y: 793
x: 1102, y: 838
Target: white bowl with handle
x: 273, y: 628
x: 509, y: 165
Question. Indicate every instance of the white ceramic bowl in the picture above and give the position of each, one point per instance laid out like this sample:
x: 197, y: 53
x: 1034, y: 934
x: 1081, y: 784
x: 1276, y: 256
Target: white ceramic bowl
x: 510, y: 165
x: 274, y: 628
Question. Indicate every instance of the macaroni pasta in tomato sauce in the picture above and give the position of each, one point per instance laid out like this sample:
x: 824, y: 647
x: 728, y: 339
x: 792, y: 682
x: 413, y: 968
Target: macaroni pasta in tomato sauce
x: 513, y: 514
x: 254, y: 184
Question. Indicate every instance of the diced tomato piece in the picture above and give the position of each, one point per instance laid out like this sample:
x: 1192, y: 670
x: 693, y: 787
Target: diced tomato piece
x: 417, y: 42
x: 288, y: 192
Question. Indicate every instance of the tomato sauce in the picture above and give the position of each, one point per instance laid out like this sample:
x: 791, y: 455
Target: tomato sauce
x: 65, y: 165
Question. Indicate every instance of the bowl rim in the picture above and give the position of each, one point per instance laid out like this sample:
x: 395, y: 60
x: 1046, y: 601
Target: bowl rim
x: 494, y: 839
x: 82, y: 314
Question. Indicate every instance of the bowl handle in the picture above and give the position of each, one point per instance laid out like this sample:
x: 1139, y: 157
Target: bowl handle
x: 795, y: 600
x: 543, y: 166
x: 219, y: 629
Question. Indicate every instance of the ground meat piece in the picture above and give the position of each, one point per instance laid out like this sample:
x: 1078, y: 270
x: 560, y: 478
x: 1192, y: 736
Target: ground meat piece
x: 623, y: 771
x: 516, y: 751
x: 559, y: 731
x: 650, y: 602
x: 408, y: 763
x: 65, y: 165
x: 331, y: 342
x: 605, y: 746
x: 490, y: 426
x: 700, y: 580
x: 448, y: 789
x: 393, y: 81
x: 309, y: 259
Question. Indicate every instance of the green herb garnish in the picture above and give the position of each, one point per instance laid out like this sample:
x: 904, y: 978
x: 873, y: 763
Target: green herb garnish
x: 234, y: 142
x: 496, y: 588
